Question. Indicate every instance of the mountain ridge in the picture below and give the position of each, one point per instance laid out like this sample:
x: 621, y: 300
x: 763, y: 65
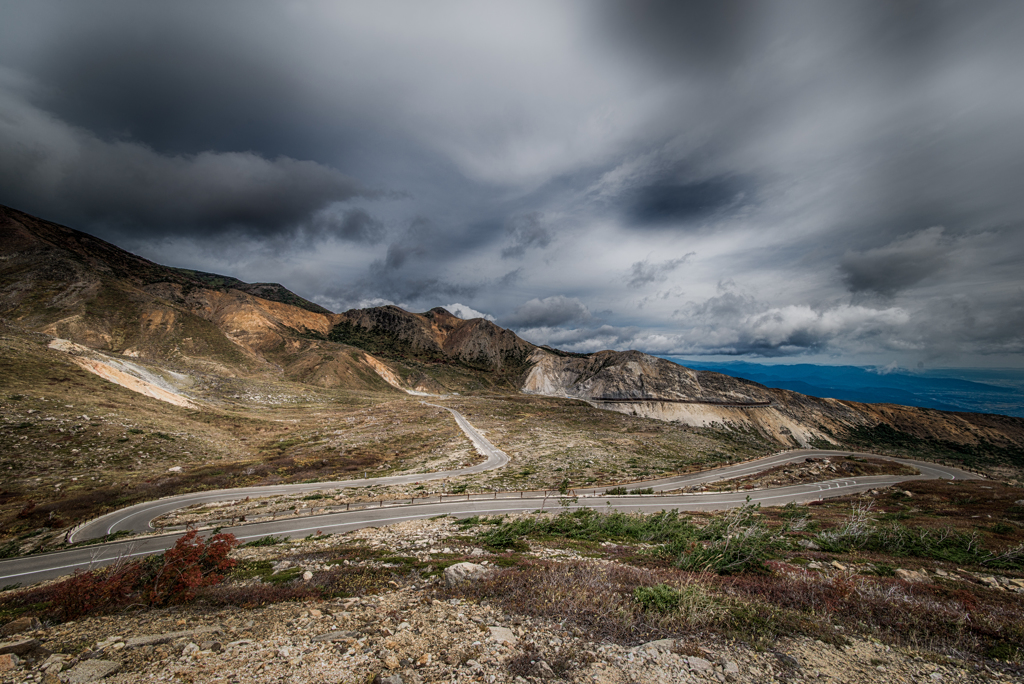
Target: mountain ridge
x: 67, y: 284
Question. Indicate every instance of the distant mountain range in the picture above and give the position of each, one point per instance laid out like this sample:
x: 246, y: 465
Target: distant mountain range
x: 976, y: 390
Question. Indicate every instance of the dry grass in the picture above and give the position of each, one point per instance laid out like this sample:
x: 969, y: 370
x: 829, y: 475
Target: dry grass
x: 552, y: 439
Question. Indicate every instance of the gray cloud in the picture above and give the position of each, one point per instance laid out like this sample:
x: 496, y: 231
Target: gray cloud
x: 738, y: 324
x: 525, y: 232
x: 644, y: 272
x: 673, y: 202
x: 804, y: 150
x: 356, y: 225
x: 70, y: 172
x: 898, y: 265
x: 685, y: 34
x: 548, y: 312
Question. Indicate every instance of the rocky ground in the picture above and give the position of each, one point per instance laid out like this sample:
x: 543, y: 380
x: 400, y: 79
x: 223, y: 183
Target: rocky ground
x: 407, y: 636
x: 423, y: 628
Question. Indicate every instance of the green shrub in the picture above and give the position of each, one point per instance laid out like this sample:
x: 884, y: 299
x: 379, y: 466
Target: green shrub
x: 862, y: 531
x: 269, y: 540
x: 660, y: 597
x: 284, y: 576
x: 733, y: 542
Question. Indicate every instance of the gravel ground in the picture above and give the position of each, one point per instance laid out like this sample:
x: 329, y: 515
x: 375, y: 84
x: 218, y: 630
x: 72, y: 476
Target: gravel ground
x: 412, y: 633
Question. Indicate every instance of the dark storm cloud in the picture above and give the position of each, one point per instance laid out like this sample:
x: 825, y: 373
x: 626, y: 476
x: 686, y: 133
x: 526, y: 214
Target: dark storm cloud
x: 805, y: 150
x: 897, y: 266
x: 547, y: 313
x: 71, y: 174
x: 184, y: 77
x: 510, y: 278
x: 413, y: 243
x: 670, y: 202
x: 356, y: 225
x: 685, y: 34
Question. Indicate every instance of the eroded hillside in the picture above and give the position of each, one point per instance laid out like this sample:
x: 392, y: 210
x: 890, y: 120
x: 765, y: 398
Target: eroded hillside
x: 647, y: 386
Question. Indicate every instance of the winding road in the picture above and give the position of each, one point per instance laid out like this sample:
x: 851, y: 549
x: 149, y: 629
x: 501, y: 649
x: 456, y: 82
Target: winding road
x: 137, y: 518
x: 31, y: 569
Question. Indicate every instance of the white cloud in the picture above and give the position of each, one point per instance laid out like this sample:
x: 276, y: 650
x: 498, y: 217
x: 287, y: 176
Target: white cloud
x: 466, y: 313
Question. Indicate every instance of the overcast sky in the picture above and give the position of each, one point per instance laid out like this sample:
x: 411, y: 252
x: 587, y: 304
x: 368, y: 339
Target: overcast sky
x: 837, y: 182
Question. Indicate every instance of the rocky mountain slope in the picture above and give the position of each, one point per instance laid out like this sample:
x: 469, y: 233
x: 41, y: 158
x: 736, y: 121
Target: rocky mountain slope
x: 648, y: 386
x: 70, y: 285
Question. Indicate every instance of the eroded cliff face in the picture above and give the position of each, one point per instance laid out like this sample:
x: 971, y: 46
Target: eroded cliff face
x: 628, y: 375
x: 644, y: 385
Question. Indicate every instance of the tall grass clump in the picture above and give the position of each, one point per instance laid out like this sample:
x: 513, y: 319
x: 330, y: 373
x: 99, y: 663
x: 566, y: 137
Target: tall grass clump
x: 590, y: 525
x: 861, y: 531
x: 737, y: 541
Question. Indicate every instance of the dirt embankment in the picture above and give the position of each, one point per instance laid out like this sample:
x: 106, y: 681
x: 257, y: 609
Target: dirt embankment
x: 108, y: 370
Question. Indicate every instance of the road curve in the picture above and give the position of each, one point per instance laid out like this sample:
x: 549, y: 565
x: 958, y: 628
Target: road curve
x: 929, y: 471
x: 31, y: 569
x: 137, y: 518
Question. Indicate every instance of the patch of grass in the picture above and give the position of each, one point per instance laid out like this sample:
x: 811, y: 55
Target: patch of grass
x: 885, y: 570
x: 734, y: 542
x: 269, y: 540
x: 660, y: 597
x: 475, y: 520
x: 979, y: 455
x: 860, y: 531
x: 1002, y: 528
x: 250, y: 569
x: 283, y: 577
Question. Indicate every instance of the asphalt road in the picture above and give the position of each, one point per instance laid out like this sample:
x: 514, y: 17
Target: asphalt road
x: 33, y: 569
x: 929, y: 471
x: 137, y: 518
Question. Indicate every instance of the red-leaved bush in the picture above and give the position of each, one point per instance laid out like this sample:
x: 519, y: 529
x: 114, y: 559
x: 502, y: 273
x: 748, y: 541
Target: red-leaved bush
x: 173, y: 577
x: 192, y: 563
x: 96, y: 591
